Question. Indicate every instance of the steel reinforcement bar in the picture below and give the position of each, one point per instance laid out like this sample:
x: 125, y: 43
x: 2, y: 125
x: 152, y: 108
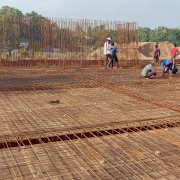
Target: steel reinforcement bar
x: 57, y: 38
x: 85, y: 133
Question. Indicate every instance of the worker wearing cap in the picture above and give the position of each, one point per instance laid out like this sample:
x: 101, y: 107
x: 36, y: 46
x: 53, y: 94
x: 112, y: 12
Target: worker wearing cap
x: 148, y: 70
x: 107, y: 50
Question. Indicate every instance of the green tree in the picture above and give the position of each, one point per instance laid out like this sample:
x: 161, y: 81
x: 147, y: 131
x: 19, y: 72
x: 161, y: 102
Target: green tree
x: 34, y: 14
x: 6, y: 10
x: 144, y: 34
x: 160, y: 34
x: 9, y: 26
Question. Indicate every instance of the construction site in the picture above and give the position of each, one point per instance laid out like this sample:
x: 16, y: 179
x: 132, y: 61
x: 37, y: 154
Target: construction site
x: 66, y: 117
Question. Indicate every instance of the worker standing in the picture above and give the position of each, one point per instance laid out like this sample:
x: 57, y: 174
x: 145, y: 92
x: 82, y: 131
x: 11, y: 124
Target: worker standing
x: 156, y: 54
x: 113, y: 56
x: 174, y: 52
x: 107, y: 51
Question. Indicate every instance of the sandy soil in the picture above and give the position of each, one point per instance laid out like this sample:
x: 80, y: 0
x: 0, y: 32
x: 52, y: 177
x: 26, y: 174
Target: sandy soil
x: 146, y: 49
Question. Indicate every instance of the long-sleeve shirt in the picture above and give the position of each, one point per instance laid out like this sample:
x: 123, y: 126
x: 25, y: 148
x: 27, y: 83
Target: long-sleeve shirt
x: 107, y: 48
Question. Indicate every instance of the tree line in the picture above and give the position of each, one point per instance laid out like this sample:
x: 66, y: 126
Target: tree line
x: 145, y: 34
x: 7, y: 10
x: 67, y: 35
x: 160, y: 34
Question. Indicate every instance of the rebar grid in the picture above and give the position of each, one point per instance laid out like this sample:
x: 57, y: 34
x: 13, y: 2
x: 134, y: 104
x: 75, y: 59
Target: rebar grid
x: 26, y: 111
x: 47, y: 38
x: 107, y: 124
x: 137, y: 155
x: 160, y: 92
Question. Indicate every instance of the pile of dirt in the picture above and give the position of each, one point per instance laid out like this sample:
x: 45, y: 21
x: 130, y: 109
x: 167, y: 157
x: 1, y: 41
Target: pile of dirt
x: 146, y: 49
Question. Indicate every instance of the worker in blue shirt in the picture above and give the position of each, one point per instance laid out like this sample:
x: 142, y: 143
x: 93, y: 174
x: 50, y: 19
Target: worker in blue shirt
x: 113, y: 56
x: 167, y: 65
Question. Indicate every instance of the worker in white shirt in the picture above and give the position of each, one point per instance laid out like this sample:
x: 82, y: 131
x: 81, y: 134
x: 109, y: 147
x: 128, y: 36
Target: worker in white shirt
x: 107, y: 50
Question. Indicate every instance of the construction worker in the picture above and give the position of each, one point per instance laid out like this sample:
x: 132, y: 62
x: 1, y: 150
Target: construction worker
x: 156, y: 54
x: 113, y: 56
x: 148, y: 71
x: 174, y: 52
x: 107, y: 52
x: 167, y: 65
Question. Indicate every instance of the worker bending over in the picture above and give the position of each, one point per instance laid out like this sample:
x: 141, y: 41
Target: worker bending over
x: 167, y: 65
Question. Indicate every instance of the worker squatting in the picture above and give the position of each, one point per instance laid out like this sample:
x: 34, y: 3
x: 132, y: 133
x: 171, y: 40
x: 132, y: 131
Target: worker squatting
x: 168, y: 65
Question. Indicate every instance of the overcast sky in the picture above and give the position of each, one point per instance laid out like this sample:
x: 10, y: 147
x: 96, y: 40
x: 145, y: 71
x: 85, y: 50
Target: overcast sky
x: 148, y: 13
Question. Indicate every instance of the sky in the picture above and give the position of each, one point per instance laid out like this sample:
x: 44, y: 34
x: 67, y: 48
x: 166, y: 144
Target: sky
x: 148, y: 13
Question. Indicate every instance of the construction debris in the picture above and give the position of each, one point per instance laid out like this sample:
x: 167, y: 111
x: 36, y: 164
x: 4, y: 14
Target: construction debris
x: 54, y: 101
